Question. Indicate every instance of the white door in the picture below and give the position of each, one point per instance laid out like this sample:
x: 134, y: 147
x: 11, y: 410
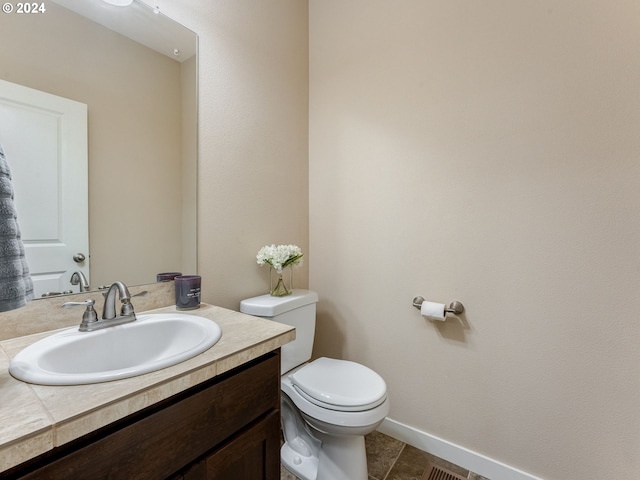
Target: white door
x: 44, y: 138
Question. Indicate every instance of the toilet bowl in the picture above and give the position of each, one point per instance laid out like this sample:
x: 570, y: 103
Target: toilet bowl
x: 328, y: 405
x: 334, y: 404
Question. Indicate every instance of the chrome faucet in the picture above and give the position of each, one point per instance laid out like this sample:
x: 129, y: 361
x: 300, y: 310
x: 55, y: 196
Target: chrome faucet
x: 78, y: 278
x: 126, y: 310
x: 90, y: 321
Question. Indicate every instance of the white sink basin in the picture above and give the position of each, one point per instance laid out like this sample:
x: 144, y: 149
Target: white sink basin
x: 152, y: 342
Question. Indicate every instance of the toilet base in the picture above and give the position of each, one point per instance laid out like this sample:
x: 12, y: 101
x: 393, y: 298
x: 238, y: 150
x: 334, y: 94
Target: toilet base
x: 305, y: 468
x: 342, y: 458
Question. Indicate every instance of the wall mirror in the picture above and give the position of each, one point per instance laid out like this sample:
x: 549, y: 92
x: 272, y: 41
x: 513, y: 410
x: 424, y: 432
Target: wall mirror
x: 135, y: 69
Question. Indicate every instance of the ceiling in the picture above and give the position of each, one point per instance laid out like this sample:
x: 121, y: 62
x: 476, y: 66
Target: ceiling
x: 141, y: 23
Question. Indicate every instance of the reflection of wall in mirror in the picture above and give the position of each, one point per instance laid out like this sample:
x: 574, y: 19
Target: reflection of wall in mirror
x: 135, y: 137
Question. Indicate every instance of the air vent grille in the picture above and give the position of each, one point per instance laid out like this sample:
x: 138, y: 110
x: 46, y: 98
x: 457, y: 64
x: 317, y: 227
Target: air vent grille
x: 435, y: 472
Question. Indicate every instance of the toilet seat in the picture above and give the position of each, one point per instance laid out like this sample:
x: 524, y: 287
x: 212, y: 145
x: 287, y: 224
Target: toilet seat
x: 339, y: 385
x: 342, y: 418
x: 328, y: 406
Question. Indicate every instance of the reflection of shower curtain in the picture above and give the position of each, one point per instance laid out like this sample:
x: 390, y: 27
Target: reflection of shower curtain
x: 16, y: 286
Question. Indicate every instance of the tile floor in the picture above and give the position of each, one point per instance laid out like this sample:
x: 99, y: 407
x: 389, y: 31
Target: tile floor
x: 391, y: 459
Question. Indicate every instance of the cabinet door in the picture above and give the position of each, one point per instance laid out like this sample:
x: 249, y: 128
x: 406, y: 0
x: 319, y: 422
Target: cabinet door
x: 251, y: 455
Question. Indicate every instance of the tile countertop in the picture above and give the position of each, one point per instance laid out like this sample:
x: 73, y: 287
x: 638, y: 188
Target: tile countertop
x: 36, y: 418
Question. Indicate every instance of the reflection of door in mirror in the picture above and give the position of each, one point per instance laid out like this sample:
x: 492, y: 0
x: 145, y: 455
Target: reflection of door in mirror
x: 45, y: 141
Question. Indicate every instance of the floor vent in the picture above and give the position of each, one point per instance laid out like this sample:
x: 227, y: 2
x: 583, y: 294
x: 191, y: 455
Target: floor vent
x: 435, y: 472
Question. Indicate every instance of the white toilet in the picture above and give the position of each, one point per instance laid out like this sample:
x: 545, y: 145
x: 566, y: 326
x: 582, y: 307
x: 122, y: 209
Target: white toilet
x: 328, y: 405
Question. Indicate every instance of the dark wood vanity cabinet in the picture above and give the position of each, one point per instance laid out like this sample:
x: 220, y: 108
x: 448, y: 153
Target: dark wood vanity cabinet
x: 225, y: 428
x: 247, y: 455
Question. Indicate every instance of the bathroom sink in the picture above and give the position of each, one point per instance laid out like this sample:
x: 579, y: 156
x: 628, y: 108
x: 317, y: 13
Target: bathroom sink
x: 152, y: 342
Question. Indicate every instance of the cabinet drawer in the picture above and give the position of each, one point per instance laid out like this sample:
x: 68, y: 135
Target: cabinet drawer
x: 155, y: 445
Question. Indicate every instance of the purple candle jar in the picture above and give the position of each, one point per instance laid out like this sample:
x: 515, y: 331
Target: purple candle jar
x: 187, y: 291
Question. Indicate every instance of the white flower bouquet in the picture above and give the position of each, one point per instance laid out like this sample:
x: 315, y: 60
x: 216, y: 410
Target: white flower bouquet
x: 278, y: 258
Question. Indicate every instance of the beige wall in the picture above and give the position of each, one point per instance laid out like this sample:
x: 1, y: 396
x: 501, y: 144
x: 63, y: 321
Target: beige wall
x: 134, y: 133
x: 485, y: 152
x: 253, y: 148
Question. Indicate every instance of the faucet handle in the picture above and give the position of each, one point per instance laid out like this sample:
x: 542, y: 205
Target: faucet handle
x: 88, y: 317
x: 127, y: 307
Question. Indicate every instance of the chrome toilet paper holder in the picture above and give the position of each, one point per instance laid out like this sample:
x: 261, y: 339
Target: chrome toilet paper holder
x: 456, y: 308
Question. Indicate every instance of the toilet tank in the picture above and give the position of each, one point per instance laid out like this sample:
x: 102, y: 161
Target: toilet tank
x: 297, y: 310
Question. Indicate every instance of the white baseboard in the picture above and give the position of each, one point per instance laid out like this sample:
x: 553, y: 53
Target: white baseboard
x: 456, y: 454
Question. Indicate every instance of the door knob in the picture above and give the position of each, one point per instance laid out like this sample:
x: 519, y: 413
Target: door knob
x: 79, y: 257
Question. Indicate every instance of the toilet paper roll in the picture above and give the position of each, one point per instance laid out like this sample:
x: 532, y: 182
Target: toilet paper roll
x: 433, y: 311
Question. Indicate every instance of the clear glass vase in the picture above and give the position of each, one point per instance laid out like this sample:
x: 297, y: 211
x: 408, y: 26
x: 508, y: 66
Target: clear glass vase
x: 279, y: 286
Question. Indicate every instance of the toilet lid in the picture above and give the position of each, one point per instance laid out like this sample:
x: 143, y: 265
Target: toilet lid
x: 340, y: 385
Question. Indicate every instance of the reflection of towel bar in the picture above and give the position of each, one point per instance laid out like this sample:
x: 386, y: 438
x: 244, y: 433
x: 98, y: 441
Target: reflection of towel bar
x: 455, y: 308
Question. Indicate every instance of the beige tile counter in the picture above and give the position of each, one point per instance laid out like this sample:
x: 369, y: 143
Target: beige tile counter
x: 36, y: 418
